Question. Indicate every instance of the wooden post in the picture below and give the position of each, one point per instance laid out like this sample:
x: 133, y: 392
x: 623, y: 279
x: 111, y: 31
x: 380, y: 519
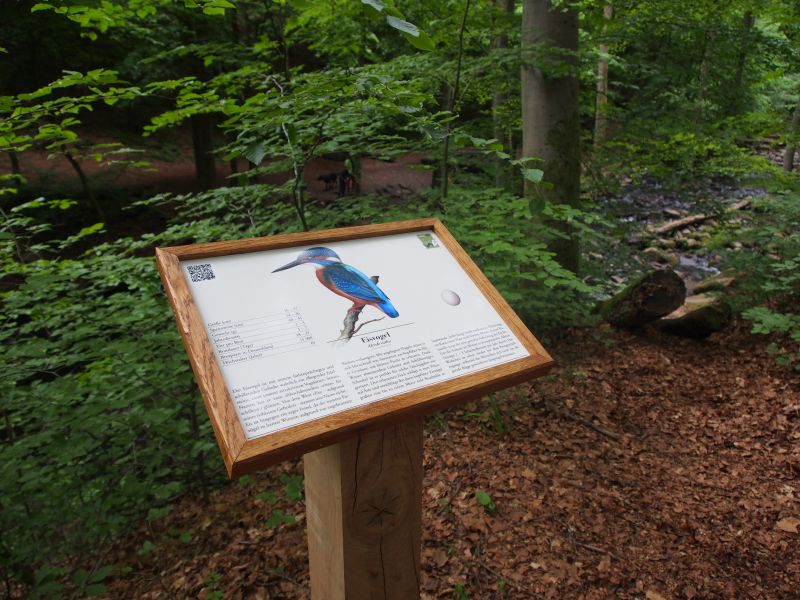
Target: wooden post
x: 364, y: 515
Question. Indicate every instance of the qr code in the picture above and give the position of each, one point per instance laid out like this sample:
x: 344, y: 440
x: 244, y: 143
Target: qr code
x: 200, y: 272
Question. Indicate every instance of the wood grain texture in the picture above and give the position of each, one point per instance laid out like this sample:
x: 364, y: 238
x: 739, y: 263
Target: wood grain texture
x: 298, y: 239
x: 219, y: 405
x: 324, y: 516
x: 364, y: 507
x: 244, y: 456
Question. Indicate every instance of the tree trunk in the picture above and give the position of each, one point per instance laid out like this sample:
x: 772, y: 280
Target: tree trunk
x: 14, y: 163
x: 358, y: 171
x: 705, y: 71
x: 445, y: 92
x: 502, y: 172
x: 550, y: 125
x: 791, y: 143
x: 453, y: 103
x: 203, y: 143
x: 87, y: 190
x: 741, y: 60
x: 601, y: 100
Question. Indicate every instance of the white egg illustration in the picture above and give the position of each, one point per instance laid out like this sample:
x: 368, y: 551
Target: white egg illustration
x: 451, y: 298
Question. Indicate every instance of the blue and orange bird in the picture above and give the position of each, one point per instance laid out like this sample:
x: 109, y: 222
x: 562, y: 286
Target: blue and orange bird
x: 343, y: 280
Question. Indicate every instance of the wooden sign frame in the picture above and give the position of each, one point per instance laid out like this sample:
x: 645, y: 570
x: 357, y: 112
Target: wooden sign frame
x: 241, y: 455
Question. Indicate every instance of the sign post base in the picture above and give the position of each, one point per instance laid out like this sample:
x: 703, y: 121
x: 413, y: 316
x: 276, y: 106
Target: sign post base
x: 364, y: 515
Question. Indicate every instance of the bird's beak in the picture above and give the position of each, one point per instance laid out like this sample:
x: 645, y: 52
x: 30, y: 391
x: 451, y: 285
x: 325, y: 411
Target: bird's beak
x: 294, y: 263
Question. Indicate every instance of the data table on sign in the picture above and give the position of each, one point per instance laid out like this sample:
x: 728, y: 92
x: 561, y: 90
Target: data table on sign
x: 267, y: 335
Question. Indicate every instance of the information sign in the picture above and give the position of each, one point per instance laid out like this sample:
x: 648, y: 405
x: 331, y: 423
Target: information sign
x: 298, y: 341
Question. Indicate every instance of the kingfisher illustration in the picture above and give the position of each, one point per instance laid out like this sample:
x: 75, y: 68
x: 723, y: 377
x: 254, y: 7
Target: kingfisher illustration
x: 344, y: 280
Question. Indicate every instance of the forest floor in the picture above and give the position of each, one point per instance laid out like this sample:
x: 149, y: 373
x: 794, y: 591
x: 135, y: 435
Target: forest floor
x: 644, y: 466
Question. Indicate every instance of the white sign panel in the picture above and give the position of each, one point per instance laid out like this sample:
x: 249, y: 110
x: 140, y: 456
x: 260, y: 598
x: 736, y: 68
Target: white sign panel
x: 306, y: 332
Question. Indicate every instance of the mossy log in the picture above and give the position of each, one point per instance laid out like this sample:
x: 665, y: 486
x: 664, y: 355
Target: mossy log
x: 718, y: 283
x: 652, y: 296
x: 699, y: 317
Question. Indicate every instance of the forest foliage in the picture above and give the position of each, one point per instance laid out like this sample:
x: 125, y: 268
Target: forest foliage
x: 102, y: 424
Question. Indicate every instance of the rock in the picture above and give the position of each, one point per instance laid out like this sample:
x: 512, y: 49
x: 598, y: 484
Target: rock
x: 661, y: 256
x: 699, y: 317
x: 652, y: 296
x: 716, y: 283
x: 637, y: 240
x: 693, y: 243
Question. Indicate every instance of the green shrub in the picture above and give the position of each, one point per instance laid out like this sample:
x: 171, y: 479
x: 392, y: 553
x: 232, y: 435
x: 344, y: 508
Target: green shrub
x: 768, y: 265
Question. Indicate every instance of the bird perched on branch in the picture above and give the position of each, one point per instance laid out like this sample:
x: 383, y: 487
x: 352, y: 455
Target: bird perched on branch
x: 344, y: 280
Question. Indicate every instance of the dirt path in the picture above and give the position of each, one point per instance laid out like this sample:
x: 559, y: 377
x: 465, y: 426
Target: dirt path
x: 178, y: 176
x: 692, y: 500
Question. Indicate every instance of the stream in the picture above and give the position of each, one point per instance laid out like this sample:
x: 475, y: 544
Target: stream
x: 647, y: 205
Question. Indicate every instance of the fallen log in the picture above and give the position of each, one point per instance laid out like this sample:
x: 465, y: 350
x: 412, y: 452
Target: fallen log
x: 680, y: 223
x: 694, y: 219
x: 717, y: 283
x: 652, y: 296
x: 699, y: 317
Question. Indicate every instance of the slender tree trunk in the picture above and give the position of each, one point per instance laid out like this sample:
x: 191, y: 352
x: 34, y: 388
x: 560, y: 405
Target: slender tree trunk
x: 502, y: 172
x: 550, y: 118
x: 358, y: 171
x: 278, y: 24
x: 299, y: 196
x: 14, y: 163
x: 791, y: 144
x: 203, y: 143
x: 87, y: 189
x: 705, y: 71
x: 741, y: 59
x: 445, y: 94
x: 454, y: 102
x: 601, y: 100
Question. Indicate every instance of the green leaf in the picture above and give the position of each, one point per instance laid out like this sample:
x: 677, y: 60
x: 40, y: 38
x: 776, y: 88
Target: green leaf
x: 41, y: 6
x: 268, y: 496
x: 293, y: 487
x: 420, y: 41
x: 101, y: 573
x: 291, y: 133
x: 255, y: 152
x: 534, y: 175
x: 402, y: 25
x: 485, y: 500
x: 91, y: 229
x: 157, y: 513
x: 95, y: 590
x: 537, y: 205
x: 146, y: 548
x: 279, y: 517
x: 375, y: 4
x: 80, y: 577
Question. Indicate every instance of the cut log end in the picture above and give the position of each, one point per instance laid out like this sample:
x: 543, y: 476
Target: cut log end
x: 652, y: 296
